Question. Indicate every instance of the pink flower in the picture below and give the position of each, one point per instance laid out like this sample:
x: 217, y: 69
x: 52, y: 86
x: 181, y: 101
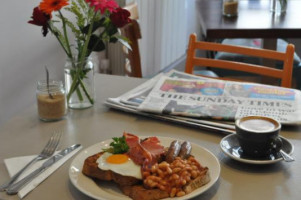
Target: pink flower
x: 103, y: 5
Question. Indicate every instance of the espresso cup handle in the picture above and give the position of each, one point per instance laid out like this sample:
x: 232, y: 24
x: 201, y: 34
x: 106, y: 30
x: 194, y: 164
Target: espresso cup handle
x: 276, y: 144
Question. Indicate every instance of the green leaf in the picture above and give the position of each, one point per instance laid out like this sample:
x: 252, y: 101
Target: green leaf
x: 76, y: 10
x: 59, y: 35
x: 96, y: 25
x: 118, y: 146
x: 125, y: 41
x: 113, y: 39
x: 96, y: 44
x: 76, y: 31
x: 83, y: 5
x: 111, y: 30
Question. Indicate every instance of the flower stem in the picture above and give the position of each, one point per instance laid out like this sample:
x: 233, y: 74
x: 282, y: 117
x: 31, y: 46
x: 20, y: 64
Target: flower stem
x: 67, y: 50
x: 81, y: 62
x: 85, y: 91
x: 83, y: 53
x: 61, y: 43
x: 79, y: 94
x: 66, y: 36
x: 74, y: 88
x: 80, y: 97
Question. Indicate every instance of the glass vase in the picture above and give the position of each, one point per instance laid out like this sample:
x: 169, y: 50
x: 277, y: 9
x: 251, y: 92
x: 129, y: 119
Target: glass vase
x: 278, y: 6
x: 79, y: 83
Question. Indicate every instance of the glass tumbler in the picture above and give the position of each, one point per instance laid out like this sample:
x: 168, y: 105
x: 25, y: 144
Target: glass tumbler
x: 230, y: 8
x: 51, y: 100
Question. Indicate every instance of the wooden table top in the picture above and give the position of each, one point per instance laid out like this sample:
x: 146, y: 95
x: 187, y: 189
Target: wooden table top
x: 254, y: 20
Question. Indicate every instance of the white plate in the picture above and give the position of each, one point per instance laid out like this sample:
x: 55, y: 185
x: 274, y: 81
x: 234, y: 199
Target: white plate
x: 230, y: 146
x: 107, y: 190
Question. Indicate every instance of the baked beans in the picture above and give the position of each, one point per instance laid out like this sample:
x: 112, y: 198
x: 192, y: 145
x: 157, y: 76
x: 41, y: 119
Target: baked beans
x: 171, y: 177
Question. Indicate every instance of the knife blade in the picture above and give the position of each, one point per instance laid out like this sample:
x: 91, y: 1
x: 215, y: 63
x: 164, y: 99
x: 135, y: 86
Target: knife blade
x: 13, y: 189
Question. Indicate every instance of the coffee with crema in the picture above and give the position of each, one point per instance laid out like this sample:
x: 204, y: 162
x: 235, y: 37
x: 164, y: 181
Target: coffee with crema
x: 258, y: 136
x: 257, y: 125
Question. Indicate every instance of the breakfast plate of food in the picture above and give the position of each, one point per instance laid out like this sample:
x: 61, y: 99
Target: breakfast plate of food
x: 132, y: 167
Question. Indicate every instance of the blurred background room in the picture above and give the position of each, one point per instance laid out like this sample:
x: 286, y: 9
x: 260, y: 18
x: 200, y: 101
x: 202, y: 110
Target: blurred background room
x: 165, y: 29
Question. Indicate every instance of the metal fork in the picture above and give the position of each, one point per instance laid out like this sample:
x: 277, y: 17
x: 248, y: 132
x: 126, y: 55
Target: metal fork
x: 48, y: 151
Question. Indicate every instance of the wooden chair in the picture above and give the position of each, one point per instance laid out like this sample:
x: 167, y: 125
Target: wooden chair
x: 257, y: 43
x: 133, y: 33
x: 285, y: 74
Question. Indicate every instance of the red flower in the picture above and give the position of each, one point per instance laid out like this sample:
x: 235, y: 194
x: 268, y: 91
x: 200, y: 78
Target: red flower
x: 40, y: 18
x: 103, y: 5
x: 120, y: 17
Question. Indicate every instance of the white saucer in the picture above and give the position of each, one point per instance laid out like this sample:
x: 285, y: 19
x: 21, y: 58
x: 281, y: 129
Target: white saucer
x: 231, y: 147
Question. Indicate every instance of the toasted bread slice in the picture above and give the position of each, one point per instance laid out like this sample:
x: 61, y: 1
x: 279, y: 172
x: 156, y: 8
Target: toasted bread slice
x: 91, y: 169
x: 138, y: 192
x: 201, y: 180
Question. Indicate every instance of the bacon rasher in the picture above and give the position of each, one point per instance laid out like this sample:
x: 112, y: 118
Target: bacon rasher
x: 143, y: 153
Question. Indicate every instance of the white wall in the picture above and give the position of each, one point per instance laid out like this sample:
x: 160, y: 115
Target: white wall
x: 193, y: 24
x: 23, y: 54
x: 165, y: 27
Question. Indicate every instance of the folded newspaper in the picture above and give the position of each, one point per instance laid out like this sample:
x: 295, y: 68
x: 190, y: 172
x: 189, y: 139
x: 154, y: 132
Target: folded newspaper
x: 180, y: 96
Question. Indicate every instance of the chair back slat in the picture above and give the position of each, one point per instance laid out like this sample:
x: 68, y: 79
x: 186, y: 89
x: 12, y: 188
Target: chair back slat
x: 236, y: 66
x: 285, y: 74
x: 210, y: 46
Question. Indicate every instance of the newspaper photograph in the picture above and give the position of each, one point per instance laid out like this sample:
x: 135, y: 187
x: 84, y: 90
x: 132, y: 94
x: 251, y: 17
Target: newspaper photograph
x: 222, y: 100
x: 136, y: 96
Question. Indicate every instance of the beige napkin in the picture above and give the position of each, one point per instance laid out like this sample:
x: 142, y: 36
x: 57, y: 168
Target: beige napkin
x: 13, y: 165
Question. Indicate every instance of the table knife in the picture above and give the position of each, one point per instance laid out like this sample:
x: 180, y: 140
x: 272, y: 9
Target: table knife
x: 13, y: 189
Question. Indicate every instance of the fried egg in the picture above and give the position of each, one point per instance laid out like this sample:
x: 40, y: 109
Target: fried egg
x: 120, y: 164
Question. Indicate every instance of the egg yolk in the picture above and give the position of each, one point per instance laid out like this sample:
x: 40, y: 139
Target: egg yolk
x: 117, y: 159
